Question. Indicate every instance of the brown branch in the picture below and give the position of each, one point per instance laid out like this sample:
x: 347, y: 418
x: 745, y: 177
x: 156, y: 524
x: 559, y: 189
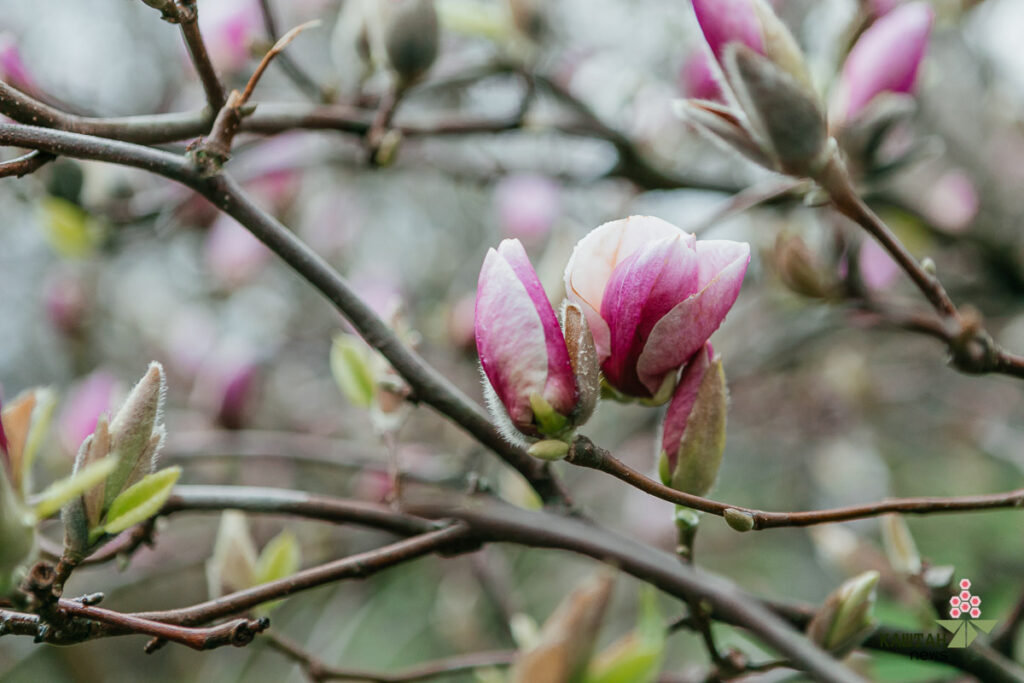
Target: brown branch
x: 586, y: 454
x: 353, y: 567
x: 316, y: 670
x: 1004, y: 638
x: 188, y: 21
x: 25, y: 164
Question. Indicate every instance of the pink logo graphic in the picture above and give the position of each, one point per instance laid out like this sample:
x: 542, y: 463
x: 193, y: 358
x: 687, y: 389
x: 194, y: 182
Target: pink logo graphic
x: 965, y: 604
x: 965, y: 617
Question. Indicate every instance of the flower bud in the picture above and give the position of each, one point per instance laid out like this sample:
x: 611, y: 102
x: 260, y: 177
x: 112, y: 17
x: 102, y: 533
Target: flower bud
x: 799, y: 270
x: 652, y: 295
x: 137, y: 432
x: 899, y: 545
x: 693, y: 434
x: 523, y: 352
x: 697, y: 78
x: 782, y: 113
x: 886, y: 58
x: 844, y: 621
x: 412, y: 38
x: 753, y: 24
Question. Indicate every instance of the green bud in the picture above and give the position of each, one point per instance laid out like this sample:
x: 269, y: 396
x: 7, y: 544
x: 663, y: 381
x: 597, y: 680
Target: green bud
x: 698, y: 453
x: 738, y: 520
x: 844, y: 620
x: 351, y: 366
x: 549, y: 449
x: 799, y: 271
x: 549, y: 421
x: 899, y: 545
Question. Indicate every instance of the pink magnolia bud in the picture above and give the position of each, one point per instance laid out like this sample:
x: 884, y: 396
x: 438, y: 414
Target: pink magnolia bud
x: 522, y: 349
x: 527, y: 206
x: 697, y: 77
x: 91, y: 397
x: 65, y: 302
x: 885, y: 58
x: 726, y: 21
x: 693, y: 435
x: 752, y: 24
x: 652, y: 295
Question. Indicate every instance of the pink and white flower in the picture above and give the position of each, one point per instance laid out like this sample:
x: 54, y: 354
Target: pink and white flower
x: 652, y: 295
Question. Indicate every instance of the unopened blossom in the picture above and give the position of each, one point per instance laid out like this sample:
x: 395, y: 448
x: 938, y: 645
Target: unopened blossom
x: 693, y: 434
x: 523, y: 352
x: 886, y: 58
x: 652, y: 295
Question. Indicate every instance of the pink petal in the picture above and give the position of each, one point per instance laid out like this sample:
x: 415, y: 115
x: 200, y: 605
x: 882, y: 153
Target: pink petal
x: 686, y: 328
x: 697, y: 77
x: 521, y: 347
x: 596, y: 256
x: 886, y: 58
x: 683, y: 399
x: 643, y: 288
x: 727, y: 21
x: 86, y: 401
x: 878, y: 270
x: 953, y: 202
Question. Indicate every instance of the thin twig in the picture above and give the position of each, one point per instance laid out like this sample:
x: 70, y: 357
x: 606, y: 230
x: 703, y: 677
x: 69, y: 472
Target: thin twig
x: 294, y: 72
x: 188, y: 21
x: 318, y: 671
x: 586, y: 454
x: 25, y: 164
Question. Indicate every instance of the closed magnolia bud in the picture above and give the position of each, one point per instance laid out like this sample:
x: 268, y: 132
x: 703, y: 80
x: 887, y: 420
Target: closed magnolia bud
x: 412, y: 38
x: 693, y: 434
x: 539, y: 382
x: 844, y: 621
x: 899, y: 545
x: 137, y: 432
x: 798, y: 269
x: 782, y: 113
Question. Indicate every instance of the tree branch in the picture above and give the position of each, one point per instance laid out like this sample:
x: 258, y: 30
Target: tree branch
x: 586, y: 454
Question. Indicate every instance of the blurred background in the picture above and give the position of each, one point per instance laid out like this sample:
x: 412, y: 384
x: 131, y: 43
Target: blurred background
x: 103, y: 269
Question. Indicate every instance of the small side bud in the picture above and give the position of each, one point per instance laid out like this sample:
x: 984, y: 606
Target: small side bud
x: 899, y: 545
x: 799, y: 270
x: 583, y: 356
x: 844, y: 621
x: 549, y: 449
x: 738, y: 520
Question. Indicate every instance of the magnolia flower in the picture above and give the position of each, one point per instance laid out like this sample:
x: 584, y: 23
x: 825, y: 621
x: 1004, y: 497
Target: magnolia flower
x: 886, y: 58
x: 697, y: 78
x: 693, y: 434
x: 652, y: 295
x: 544, y: 381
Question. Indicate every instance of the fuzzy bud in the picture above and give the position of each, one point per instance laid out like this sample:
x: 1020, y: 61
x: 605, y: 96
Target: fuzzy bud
x: 799, y: 270
x: 137, y: 432
x: 844, y: 621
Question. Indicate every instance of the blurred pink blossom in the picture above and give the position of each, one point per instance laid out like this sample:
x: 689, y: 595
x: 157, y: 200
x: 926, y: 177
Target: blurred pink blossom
x: 877, y: 268
x: 225, y: 386
x: 89, y: 398
x: 64, y: 301
x: 229, y: 28
x: 232, y: 254
x: 527, y: 206
x: 952, y: 202
x: 886, y: 58
x: 12, y: 67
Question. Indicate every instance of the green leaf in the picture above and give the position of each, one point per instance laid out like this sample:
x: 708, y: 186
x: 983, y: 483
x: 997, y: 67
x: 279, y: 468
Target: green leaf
x: 61, y: 491
x: 350, y: 365
x: 46, y: 401
x: 281, y: 557
x: 140, y: 502
x: 635, y: 658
